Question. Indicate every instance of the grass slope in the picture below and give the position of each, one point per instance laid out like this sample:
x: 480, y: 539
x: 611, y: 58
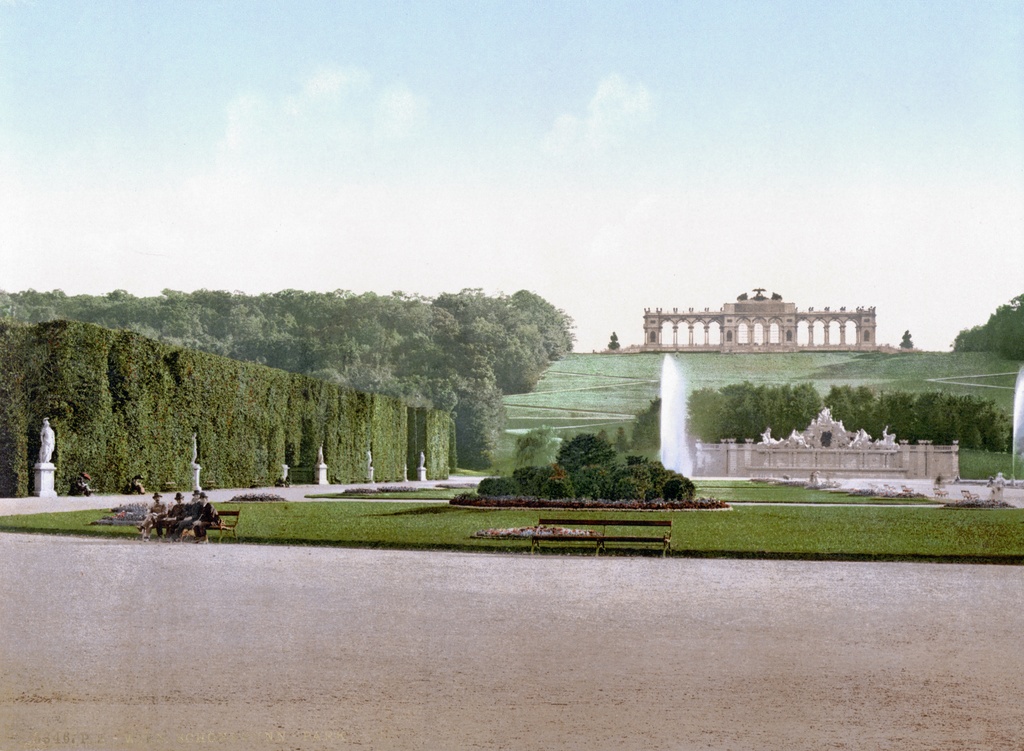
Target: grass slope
x: 589, y: 392
x: 798, y: 532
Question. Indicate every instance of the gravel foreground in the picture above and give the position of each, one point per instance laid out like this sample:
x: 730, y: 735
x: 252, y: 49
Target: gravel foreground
x: 124, y: 645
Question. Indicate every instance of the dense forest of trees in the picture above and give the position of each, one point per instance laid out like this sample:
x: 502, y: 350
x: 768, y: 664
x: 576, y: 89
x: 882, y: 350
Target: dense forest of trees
x: 744, y: 410
x: 459, y: 351
x: 1003, y: 333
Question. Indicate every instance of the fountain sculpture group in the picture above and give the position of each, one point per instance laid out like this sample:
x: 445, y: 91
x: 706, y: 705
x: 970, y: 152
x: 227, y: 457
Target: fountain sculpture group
x: 827, y: 448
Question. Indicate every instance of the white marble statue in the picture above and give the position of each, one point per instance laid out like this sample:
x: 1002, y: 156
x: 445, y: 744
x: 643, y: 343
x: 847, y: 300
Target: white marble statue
x: 423, y: 461
x: 888, y: 440
x: 320, y: 454
x: 47, y: 442
x: 195, y: 451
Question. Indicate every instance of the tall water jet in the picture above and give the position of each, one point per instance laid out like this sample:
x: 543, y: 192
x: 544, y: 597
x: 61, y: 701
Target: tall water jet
x: 1017, y: 449
x: 675, y: 449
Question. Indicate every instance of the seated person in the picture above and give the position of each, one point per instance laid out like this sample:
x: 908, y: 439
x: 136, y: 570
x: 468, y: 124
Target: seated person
x: 208, y: 517
x: 174, y: 515
x: 135, y: 487
x: 157, y: 513
x: 190, y: 513
x: 80, y: 485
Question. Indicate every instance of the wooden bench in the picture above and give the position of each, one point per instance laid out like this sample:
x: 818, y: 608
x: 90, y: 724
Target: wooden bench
x: 228, y: 523
x: 939, y: 493
x: 969, y: 496
x: 602, y: 538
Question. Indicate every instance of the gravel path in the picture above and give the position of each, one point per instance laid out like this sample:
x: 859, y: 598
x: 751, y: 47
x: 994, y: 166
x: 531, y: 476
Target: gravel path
x: 116, y: 645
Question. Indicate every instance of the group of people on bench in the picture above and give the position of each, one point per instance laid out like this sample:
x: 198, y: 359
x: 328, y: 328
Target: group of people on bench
x: 198, y: 515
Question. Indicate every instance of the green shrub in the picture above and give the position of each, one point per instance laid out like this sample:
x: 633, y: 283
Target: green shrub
x: 497, y: 487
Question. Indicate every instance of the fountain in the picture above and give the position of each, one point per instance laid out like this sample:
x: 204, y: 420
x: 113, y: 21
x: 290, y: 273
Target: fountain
x: 1018, y: 422
x: 675, y: 450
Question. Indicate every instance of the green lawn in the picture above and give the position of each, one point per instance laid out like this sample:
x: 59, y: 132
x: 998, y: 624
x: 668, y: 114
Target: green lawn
x: 799, y: 532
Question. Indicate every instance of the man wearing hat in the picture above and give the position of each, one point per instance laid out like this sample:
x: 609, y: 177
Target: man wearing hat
x: 190, y: 515
x: 157, y: 513
x: 207, y: 517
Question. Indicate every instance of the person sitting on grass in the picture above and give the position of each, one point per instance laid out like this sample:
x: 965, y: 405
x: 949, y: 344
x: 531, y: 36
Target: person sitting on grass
x: 157, y: 513
x: 135, y: 487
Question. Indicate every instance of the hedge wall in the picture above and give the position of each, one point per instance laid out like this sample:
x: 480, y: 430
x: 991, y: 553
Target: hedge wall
x: 430, y: 432
x: 121, y: 404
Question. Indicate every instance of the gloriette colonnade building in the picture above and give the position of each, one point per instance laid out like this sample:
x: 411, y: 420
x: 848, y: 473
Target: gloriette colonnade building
x: 759, y: 324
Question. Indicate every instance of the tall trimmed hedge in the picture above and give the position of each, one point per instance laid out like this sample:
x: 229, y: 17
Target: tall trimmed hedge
x: 121, y: 404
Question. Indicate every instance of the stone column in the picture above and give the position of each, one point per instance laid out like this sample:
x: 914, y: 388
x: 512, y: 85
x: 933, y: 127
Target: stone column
x: 690, y: 327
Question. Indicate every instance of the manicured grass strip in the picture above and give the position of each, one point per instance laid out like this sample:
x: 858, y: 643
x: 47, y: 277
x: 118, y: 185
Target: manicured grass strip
x: 439, y: 494
x: 752, y: 492
x: 795, y: 532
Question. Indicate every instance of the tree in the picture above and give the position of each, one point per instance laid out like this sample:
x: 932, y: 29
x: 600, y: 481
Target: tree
x: 613, y: 343
x: 536, y: 447
x: 585, y: 450
x: 906, y: 343
x: 1003, y: 333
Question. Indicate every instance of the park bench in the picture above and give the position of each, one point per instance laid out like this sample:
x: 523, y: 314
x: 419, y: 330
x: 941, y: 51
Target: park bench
x: 969, y: 496
x: 602, y: 538
x: 939, y: 493
x: 228, y: 523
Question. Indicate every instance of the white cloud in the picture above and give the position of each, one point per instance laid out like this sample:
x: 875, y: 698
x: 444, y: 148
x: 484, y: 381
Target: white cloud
x: 333, y: 122
x: 617, y: 111
x: 398, y: 112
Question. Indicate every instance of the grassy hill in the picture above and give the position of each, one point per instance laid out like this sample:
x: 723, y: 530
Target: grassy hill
x: 590, y: 392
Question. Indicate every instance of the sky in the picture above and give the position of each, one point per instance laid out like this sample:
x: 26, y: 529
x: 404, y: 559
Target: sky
x: 609, y: 156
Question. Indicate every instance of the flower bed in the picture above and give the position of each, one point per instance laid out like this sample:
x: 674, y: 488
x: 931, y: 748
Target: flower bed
x: 978, y: 504
x: 698, y: 504
x: 256, y: 498
x: 535, y: 531
x: 129, y: 515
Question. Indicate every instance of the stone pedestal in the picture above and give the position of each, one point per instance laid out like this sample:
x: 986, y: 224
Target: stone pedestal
x: 405, y: 473
x: 421, y: 474
x: 43, y: 487
x: 284, y: 473
x: 195, y: 478
x: 321, y: 474
x: 370, y: 473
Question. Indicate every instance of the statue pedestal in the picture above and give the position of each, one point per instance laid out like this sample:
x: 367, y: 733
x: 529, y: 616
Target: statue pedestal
x: 284, y: 473
x: 421, y: 474
x: 195, y: 478
x: 321, y: 474
x: 43, y: 487
x: 370, y: 473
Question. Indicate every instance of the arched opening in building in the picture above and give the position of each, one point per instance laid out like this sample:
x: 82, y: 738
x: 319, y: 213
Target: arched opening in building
x: 818, y: 328
x: 774, y: 332
x: 802, y: 329
x: 743, y: 334
x: 850, y: 331
x: 699, y: 332
x: 714, y: 331
x: 758, y: 334
x: 867, y: 336
x: 666, y: 334
x: 652, y: 337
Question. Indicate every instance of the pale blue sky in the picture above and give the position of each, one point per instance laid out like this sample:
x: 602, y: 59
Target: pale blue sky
x: 609, y: 156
